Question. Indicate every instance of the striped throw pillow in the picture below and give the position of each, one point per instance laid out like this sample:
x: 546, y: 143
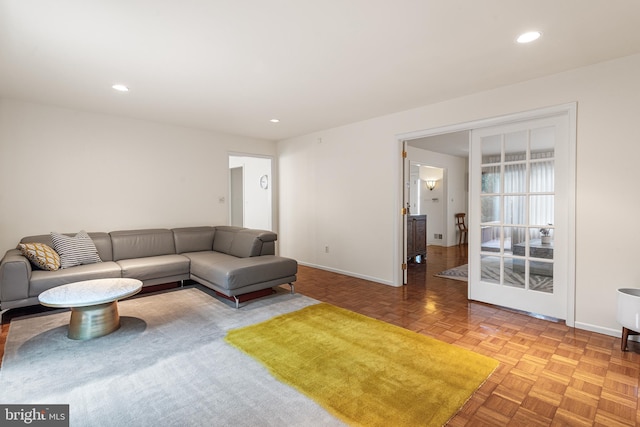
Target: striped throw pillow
x: 77, y: 250
x: 40, y: 255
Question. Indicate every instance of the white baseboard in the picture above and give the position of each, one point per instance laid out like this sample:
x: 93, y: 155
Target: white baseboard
x: 599, y: 329
x: 347, y: 273
x: 606, y: 331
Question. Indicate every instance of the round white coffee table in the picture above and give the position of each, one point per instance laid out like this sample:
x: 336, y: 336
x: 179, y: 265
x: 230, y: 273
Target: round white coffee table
x: 93, y: 303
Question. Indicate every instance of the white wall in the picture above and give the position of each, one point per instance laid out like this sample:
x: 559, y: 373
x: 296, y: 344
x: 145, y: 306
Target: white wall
x: 335, y: 191
x: 67, y: 170
x: 344, y: 191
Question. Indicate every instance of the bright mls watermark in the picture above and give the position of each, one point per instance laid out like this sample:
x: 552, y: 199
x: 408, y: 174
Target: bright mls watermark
x: 34, y: 415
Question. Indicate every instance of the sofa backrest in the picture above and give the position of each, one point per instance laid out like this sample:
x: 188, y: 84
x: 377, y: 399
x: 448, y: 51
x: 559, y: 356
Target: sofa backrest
x: 193, y: 239
x: 129, y: 244
x: 224, y: 237
x: 243, y: 242
x: 101, y: 240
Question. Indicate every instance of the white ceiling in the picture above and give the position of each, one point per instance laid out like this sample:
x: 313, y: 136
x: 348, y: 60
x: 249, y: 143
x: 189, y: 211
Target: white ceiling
x: 231, y: 65
x: 453, y: 144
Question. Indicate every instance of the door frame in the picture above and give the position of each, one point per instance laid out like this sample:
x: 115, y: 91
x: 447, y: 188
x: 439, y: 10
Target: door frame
x: 570, y: 109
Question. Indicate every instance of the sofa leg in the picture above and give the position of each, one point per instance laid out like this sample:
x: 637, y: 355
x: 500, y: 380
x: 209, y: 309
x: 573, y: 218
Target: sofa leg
x: 293, y: 289
x: 237, y: 301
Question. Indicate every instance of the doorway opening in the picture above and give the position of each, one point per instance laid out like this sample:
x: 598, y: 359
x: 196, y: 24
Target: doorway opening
x: 435, y: 146
x: 250, y: 192
x: 426, y: 197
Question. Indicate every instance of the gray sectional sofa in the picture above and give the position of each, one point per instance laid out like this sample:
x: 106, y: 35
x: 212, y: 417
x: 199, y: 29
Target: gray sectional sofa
x: 230, y: 260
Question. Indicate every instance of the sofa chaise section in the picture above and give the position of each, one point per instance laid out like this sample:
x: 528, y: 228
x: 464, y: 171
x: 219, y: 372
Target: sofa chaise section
x: 233, y: 276
x: 236, y: 260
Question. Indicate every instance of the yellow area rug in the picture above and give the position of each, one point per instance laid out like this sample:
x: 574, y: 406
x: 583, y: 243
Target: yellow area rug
x: 364, y: 371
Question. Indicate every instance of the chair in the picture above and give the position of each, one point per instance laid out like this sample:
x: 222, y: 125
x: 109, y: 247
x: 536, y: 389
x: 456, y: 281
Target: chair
x: 462, y: 227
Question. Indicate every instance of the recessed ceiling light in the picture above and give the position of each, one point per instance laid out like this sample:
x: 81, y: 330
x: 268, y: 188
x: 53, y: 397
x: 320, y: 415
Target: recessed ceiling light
x: 120, y: 88
x: 274, y: 121
x: 529, y: 37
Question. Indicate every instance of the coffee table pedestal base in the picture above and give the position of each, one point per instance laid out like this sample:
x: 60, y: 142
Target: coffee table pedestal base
x: 93, y: 321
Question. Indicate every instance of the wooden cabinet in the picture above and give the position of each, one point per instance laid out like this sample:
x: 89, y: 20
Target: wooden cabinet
x: 416, y: 237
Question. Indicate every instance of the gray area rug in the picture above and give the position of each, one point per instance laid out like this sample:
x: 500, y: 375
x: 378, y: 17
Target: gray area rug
x: 456, y: 273
x: 491, y: 272
x: 167, y: 365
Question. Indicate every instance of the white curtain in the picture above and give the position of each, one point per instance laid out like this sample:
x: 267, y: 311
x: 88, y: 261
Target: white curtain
x: 539, y: 202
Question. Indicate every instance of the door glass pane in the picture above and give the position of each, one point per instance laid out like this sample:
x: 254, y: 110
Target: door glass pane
x: 542, y: 176
x: 542, y: 140
x: 514, y: 209
x: 490, y: 238
x: 515, y: 176
x: 541, y: 276
x: 515, y: 146
x: 515, y: 240
x: 490, y: 269
x: 491, y: 147
x: 490, y: 179
x: 541, y: 210
x: 490, y: 206
x: 514, y: 272
x: 539, y: 248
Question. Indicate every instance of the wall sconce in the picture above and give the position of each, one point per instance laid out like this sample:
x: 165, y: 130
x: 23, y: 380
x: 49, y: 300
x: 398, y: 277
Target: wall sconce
x: 431, y: 184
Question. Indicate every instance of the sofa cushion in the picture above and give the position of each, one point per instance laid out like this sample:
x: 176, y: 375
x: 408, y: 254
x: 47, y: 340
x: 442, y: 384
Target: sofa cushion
x: 193, y: 239
x: 155, y: 267
x: 76, y: 250
x: 42, y: 280
x: 42, y: 256
x: 129, y: 244
x: 230, y: 272
x: 200, y: 261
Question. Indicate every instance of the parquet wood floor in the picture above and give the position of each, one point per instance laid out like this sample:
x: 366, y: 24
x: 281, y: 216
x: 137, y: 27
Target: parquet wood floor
x: 549, y: 374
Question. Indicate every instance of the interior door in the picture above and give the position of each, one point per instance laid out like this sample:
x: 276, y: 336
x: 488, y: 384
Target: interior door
x: 236, y: 182
x: 406, y: 209
x: 518, y: 222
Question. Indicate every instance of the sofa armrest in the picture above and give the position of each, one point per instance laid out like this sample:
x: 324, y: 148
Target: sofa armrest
x: 15, y: 273
x: 264, y: 235
x: 268, y: 239
x: 251, y: 242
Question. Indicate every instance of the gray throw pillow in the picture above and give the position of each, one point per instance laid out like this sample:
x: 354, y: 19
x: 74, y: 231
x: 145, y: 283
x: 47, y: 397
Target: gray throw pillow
x: 77, y: 250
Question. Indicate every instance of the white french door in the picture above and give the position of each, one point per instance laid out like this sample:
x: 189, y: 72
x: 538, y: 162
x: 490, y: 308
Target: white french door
x: 406, y: 196
x: 519, y: 227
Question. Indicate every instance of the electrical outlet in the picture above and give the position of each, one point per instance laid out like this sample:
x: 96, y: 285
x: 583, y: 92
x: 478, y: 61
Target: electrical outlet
x: 326, y: 249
